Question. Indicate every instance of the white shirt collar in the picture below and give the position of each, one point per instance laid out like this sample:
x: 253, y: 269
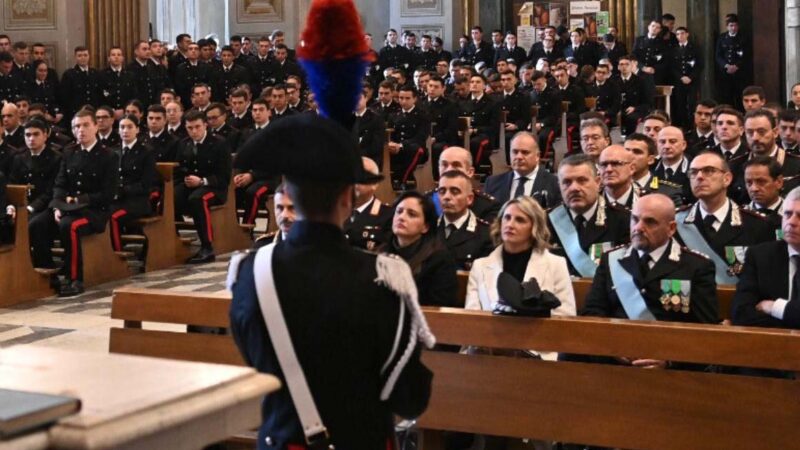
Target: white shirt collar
x: 622, y: 200
x: 205, y: 135
x: 412, y: 108
x: 589, y: 212
x: 91, y: 147
x: 531, y: 176
x: 458, y: 222
x: 642, y: 182
x: 677, y: 167
x: 363, y: 207
x: 157, y: 135
x: 130, y: 146
x: 657, y: 253
x: 478, y: 97
x: 720, y: 214
x: 733, y: 150
x: 774, y: 206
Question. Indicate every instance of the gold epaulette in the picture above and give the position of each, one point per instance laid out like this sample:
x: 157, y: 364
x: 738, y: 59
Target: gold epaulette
x: 670, y: 183
x: 695, y: 253
x: 269, y: 235
x: 480, y: 193
x: 753, y: 213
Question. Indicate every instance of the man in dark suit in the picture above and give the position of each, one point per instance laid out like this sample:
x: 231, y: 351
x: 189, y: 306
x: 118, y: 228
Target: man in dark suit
x: 527, y: 176
x: 83, y: 191
x: 686, y: 65
x: 370, y: 225
x: 407, y: 143
x: 630, y: 280
x: 201, y: 180
x: 715, y: 225
x: 768, y: 291
x: 465, y: 235
x: 479, y: 50
x: 585, y: 225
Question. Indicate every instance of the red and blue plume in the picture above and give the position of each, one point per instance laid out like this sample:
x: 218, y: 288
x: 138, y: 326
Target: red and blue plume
x: 335, y: 56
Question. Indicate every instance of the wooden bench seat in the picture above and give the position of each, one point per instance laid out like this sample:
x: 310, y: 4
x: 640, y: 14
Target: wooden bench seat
x: 229, y: 234
x: 596, y: 404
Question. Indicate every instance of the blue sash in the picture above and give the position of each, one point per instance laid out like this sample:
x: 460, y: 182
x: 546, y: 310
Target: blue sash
x: 629, y: 295
x: 437, y: 203
x: 694, y: 240
x: 568, y: 236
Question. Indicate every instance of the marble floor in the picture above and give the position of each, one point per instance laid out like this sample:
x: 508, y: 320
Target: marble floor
x: 83, y: 322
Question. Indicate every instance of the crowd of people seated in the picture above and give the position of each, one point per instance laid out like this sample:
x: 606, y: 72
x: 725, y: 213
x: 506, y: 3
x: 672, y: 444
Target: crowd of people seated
x: 676, y: 207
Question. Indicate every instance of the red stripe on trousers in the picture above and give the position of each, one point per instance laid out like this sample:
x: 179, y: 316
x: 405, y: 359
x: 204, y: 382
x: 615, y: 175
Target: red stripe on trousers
x: 73, y: 234
x: 155, y: 195
x: 251, y: 218
x: 549, y: 145
x: 210, y: 232
x: 413, y: 164
x: 481, y: 149
x: 115, y: 239
x: 569, y: 138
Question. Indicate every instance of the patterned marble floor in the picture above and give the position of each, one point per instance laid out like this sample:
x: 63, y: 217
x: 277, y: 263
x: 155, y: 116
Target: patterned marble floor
x: 83, y: 322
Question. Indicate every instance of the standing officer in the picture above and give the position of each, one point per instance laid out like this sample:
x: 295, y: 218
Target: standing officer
x: 118, y: 83
x: 190, y: 73
x: 733, y: 57
x: 80, y: 85
x: 201, y: 180
x: 652, y: 52
x: 685, y: 64
x: 353, y: 316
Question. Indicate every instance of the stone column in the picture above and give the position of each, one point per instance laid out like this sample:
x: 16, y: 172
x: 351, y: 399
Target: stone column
x: 646, y: 10
x: 703, y: 21
x: 791, y: 44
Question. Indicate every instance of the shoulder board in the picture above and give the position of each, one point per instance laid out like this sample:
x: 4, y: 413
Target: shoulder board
x: 791, y: 155
x: 684, y: 207
x: 267, y: 236
x: 233, y: 267
x: 694, y: 252
x: 617, y: 207
x: 616, y: 248
x: 365, y: 251
x: 429, y: 192
x: 670, y: 183
x: 752, y: 213
x: 738, y: 157
x: 483, y: 194
x: 481, y: 221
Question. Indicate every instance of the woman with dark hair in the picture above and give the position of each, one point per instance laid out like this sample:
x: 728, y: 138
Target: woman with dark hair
x: 413, y: 238
x: 41, y: 90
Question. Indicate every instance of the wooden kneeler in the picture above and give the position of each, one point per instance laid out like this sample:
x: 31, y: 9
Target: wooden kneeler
x: 229, y: 234
x: 19, y: 281
x: 165, y: 247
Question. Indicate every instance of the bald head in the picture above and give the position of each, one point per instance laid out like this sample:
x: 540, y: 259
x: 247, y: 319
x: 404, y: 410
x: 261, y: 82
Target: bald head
x: 456, y: 158
x: 652, y: 222
x: 365, y: 192
x: 10, y: 114
x: 370, y: 165
x: 616, y: 169
x: 671, y: 145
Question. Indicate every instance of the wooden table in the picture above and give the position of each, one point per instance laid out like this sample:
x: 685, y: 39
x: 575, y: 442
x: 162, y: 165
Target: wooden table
x: 133, y: 402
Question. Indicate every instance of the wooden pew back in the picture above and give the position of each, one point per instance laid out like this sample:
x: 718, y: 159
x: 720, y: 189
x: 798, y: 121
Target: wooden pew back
x: 166, y: 249
x: 385, y: 191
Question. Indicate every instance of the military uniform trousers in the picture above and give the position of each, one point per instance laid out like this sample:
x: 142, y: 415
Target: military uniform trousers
x: 480, y: 145
x: 72, y: 227
x: 406, y: 160
x: 684, y: 99
x: 197, y: 203
x: 253, y: 197
x: 124, y: 214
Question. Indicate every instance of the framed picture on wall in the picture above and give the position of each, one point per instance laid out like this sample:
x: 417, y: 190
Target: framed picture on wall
x: 419, y: 30
x: 29, y: 15
x: 259, y: 11
x: 409, y: 8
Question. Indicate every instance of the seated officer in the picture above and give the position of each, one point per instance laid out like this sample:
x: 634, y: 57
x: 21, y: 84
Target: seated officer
x: 769, y: 285
x: 643, y: 151
x: 484, y: 206
x: 516, y: 104
x: 761, y: 130
x: 284, y: 215
x: 763, y: 179
x: 701, y: 136
x: 673, y: 164
x: 83, y: 192
x: 407, y: 142
x: 217, y: 119
x: 464, y: 234
x: 371, y: 220
x: 37, y: 167
x: 716, y: 226
x: 786, y: 126
x: 633, y: 99
x: 729, y: 128
x: 484, y: 114
x: 616, y: 175
x: 443, y: 114
x: 137, y: 176
x: 653, y: 278
x: 164, y: 144
x: 201, y: 180
x: 608, y: 97
x: 594, y: 137
x: 527, y: 176
x: 585, y: 225
x: 370, y: 129
x: 254, y: 186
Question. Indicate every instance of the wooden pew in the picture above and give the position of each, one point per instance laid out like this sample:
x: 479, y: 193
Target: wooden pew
x: 591, y: 103
x: 595, y: 404
x: 385, y: 192
x: 423, y: 173
x: 100, y: 263
x: 464, y: 125
x: 498, y: 156
x: 165, y: 248
x: 229, y: 234
x: 534, y: 120
x: 19, y: 281
x: 663, y: 96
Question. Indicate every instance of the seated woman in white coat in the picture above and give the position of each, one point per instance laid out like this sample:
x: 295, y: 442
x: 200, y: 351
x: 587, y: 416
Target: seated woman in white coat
x: 521, y: 233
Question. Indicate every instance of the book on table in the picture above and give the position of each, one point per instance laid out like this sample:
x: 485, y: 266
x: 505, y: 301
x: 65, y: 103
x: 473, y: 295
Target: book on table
x: 22, y: 411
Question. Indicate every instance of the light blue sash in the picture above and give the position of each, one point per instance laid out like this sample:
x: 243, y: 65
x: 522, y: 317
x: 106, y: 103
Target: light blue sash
x: 629, y: 295
x: 568, y: 236
x: 693, y: 239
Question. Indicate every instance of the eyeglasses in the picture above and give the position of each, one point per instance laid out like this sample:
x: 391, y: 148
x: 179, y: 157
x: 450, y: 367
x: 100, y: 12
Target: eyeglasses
x: 612, y: 163
x: 706, y: 171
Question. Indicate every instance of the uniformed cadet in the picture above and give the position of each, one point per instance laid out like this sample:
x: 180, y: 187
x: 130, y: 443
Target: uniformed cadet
x: 701, y: 136
x: 733, y: 57
x: 201, y: 180
x: 411, y: 127
x: 729, y: 129
x: 653, y: 53
x: 484, y: 205
x: 118, y: 83
x: 634, y: 102
x: 371, y: 222
x: 354, y: 307
x: 83, y: 191
x: 653, y: 277
x: 608, y: 95
x: 43, y: 88
x: 137, y: 176
x: 10, y: 84
x: 443, y: 114
x: 786, y: 127
x: 465, y: 235
x: 764, y: 182
x: 189, y: 73
x: 143, y: 69
x: 686, y: 65
x: 240, y: 117
x: 386, y: 105
x: 260, y: 113
x: 262, y: 65
x: 392, y: 54
x: 370, y: 130
x: 716, y: 226
x: 175, y: 119
x: 106, y: 133
x: 280, y: 103
x: 283, y: 66
x: 517, y: 107
x: 7, y: 151
x: 181, y: 54
x: 228, y: 76
x: 253, y: 186
x: 567, y: 91
x: 80, y: 85
x: 579, y: 49
x: 543, y: 96
x: 217, y: 120
x: 484, y: 115
x: 285, y: 216
x: 479, y: 50
x: 7, y: 215
x: 585, y: 225
x: 13, y: 132
x: 164, y: 144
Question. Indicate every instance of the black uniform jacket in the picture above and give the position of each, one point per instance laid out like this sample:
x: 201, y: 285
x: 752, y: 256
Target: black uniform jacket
x: 89, y: 176
x: 370, y: 227
x: 343, y: 327
x: 39, y: 172
x: 468, y: 242
x: 212, y: 162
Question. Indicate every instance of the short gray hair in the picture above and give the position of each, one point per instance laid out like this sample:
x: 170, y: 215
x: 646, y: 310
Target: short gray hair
x: 793, y: 195
x: 595, y: 123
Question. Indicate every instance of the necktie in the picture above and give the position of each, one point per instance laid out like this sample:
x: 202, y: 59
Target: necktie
x: 728, y: 156
x: 580, y: 222
x: 796, y: 279
x: 520, y: 190
x: 644, y: 264
x: 194, y: 148
x: 763, y: 210
x: 670, y: 172
x: 448, y: 230
x: 709, y: 221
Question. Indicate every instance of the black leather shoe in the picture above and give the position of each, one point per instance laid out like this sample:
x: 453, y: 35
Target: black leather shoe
x: 205, y: 255
x: 71, y: 289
